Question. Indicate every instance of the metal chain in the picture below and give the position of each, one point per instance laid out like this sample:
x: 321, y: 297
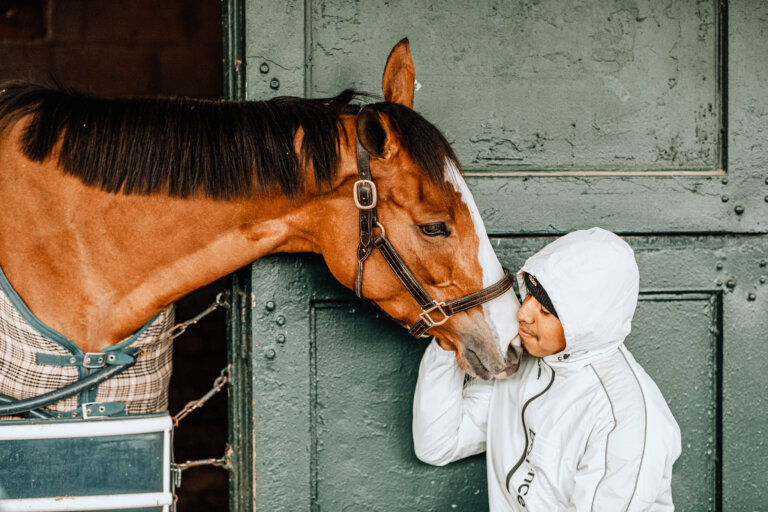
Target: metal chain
x: 224, y: 461
x: 218, y: 385
x: 179, y: 329
x: 221, y: 381
x: 176, y: 469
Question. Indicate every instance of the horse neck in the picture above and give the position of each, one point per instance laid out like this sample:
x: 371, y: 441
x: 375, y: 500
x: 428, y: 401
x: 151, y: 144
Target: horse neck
x: 97, y: 266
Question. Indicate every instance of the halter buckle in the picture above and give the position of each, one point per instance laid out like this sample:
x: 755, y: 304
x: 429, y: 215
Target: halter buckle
x: 424, y: 315
x: 356, y: 194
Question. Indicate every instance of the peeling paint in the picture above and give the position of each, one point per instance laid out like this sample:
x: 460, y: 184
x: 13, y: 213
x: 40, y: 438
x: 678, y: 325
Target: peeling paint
x: 507, y: 70
x: 614, y: 85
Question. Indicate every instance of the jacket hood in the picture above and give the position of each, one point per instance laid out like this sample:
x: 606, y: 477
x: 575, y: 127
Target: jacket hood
x: 592, y: 279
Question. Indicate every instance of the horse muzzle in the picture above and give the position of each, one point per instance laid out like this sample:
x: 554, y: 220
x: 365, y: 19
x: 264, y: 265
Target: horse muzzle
x: 484, y: 365
x: 512, y: 359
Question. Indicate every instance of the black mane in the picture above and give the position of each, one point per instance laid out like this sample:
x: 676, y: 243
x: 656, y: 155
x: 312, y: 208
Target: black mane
x: 183, y: 147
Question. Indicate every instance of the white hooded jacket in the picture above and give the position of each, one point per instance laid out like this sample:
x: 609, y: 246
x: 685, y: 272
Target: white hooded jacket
x: 584, y: 429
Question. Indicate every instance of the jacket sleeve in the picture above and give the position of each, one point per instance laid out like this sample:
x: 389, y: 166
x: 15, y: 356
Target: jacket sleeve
x: 449, y: 418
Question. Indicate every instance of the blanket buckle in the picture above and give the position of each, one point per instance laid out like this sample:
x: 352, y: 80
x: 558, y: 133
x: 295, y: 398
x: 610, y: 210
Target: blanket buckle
x: 92, y: 360
x: 88, y: 409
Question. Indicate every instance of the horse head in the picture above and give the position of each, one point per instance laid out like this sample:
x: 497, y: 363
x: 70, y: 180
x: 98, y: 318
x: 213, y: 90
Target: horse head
x: 426, y: 211
x: 210, y: 186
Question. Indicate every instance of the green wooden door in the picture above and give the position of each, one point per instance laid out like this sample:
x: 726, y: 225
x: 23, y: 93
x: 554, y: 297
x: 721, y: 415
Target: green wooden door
x: 644, y: 117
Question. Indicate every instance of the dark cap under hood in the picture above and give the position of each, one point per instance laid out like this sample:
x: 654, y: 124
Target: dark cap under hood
x: 592, y: 280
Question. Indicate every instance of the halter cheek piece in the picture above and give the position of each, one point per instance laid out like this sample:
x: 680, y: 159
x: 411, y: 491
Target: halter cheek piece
x: 433, y: 312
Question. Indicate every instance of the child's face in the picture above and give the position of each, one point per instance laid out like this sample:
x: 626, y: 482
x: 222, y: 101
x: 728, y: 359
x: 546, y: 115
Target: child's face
x: 540, y: 331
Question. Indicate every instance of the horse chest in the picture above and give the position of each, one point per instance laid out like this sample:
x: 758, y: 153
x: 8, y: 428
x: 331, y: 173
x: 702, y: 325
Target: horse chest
x: 35, y: 359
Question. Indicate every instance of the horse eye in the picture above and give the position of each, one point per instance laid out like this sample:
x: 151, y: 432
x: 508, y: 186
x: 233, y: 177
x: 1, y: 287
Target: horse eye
x: 435, y: 229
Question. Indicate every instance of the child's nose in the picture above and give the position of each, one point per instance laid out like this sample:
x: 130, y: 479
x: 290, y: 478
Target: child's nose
x: 525, y: 313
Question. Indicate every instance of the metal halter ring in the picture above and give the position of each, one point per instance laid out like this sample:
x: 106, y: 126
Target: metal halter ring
x: 355, y: 194
x: 424, y: 315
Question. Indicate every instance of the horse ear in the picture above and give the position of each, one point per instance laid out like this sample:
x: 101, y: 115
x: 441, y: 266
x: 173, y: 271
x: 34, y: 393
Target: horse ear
x: 373, y: 133
x: 399, y: 75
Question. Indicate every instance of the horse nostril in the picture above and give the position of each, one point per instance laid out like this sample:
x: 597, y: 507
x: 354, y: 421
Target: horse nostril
x: 477, y: 364
x: 513, y: 356
x: 498, y: 368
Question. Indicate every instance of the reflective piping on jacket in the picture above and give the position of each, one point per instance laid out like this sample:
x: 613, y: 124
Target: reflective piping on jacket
x: 605, y: 464
x: 622, y: 415
x: 525, y: 429
x: 645, y: 424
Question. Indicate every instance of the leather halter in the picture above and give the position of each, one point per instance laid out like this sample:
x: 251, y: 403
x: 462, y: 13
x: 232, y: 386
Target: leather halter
x: 365, y: 196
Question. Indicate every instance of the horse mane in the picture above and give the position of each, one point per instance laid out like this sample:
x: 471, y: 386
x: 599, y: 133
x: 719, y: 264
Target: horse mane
x: 183, y: 147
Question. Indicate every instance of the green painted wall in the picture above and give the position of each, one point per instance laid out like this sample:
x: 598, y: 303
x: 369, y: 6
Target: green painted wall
x: 643, y: 117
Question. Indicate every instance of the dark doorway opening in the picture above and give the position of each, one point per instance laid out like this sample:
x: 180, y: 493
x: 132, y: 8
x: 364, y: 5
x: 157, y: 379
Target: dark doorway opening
x: 142, y: 48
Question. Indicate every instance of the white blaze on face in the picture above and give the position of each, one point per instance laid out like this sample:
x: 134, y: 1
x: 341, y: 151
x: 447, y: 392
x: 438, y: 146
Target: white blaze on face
x: 501, y: 312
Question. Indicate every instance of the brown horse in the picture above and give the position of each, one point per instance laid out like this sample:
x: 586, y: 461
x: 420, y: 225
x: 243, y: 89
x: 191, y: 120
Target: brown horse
x: 113, y: 209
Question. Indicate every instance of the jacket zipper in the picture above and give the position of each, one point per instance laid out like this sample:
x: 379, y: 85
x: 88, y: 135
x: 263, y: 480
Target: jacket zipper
x: 525, y: 428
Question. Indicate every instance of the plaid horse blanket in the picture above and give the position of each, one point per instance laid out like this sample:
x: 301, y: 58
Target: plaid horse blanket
x: 35, y: 359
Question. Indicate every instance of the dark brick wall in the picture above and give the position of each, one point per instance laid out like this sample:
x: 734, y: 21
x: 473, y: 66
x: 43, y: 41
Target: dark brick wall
x: 115, y: 47
x: 154, y: 48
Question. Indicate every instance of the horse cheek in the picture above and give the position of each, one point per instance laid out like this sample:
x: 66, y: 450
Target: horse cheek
x: 341, y: 260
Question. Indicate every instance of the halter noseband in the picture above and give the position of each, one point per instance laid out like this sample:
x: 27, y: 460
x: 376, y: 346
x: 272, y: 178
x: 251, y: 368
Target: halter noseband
x: 364, y: 193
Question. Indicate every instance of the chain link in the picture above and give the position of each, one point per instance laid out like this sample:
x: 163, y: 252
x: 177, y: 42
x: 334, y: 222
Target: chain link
x: 218, y: 385
x: 182, y: 466
x: 221, y: 381
x: 179, y: 329
x: 177, y: 468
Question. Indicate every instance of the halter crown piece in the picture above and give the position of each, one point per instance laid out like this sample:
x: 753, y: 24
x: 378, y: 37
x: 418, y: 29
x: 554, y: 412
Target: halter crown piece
x: 433, y: 312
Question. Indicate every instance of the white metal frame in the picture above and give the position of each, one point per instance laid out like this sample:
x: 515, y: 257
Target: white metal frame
x: 21, y: 430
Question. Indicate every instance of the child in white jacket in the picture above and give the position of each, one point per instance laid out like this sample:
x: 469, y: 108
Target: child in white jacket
x: 580, y: 426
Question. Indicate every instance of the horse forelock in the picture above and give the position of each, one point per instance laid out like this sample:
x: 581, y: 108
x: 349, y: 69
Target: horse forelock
x: 190, y: 147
